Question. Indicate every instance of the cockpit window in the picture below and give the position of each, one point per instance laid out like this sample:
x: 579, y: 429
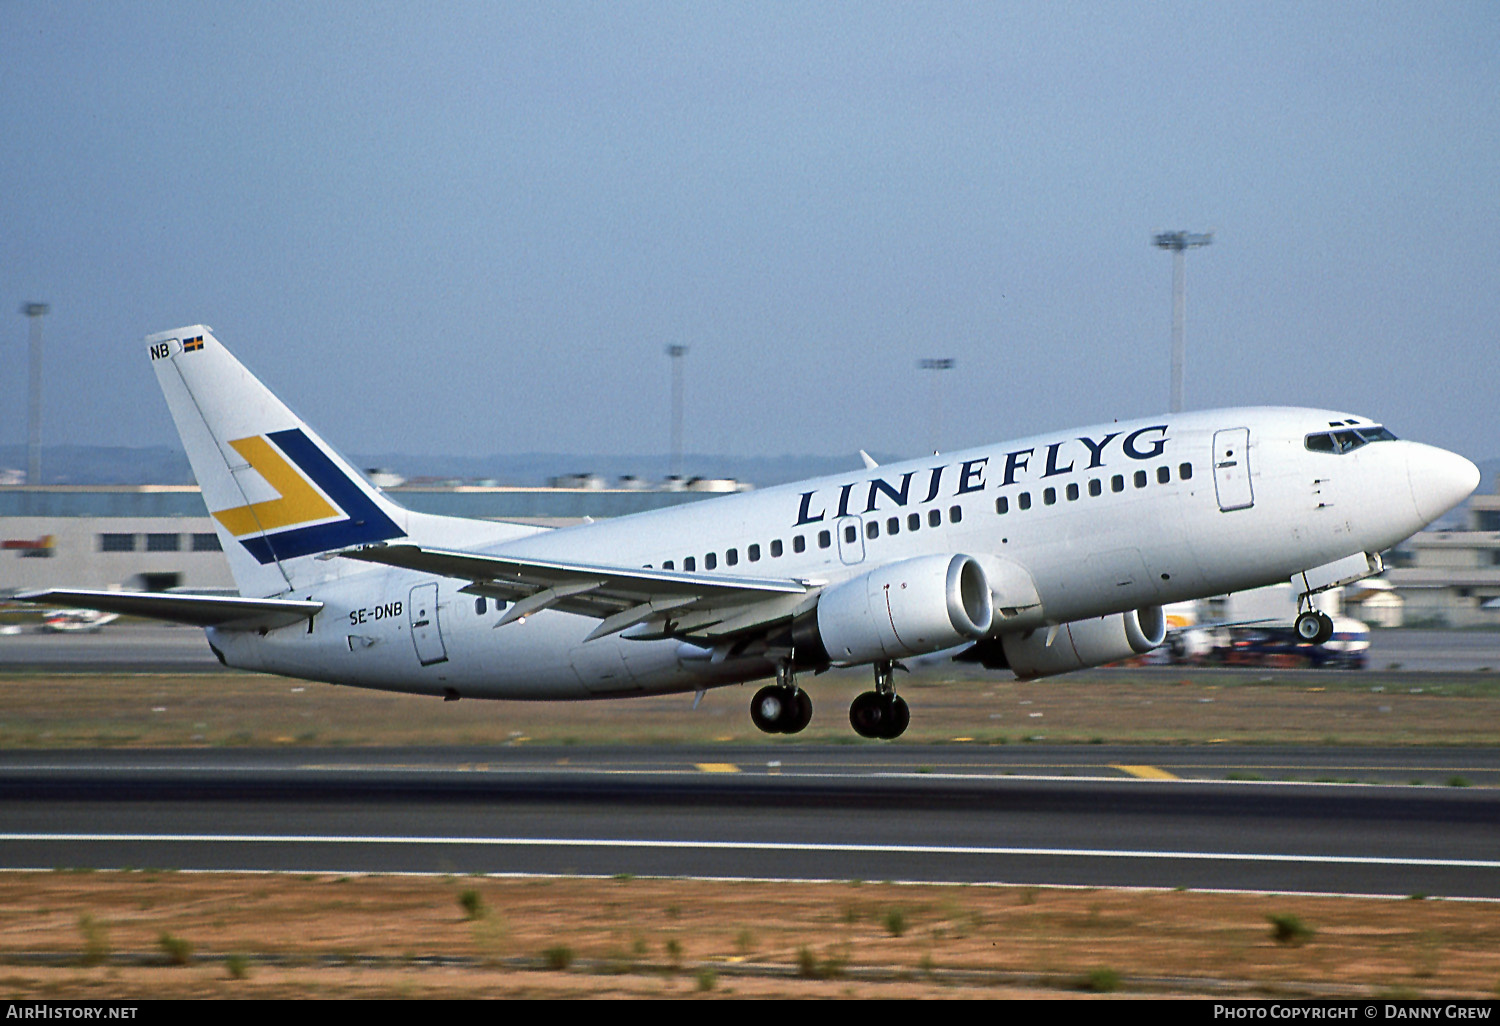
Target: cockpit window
x: 1347, y: 439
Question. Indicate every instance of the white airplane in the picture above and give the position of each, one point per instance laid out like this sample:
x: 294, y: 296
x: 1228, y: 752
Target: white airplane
x: 1043, y: 555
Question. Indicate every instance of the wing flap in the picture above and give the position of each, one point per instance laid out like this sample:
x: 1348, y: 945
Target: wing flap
x: 622, y: 597
x: 194, y: 610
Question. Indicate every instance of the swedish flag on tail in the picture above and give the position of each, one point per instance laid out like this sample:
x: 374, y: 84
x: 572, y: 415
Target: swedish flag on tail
x: 278, y: 493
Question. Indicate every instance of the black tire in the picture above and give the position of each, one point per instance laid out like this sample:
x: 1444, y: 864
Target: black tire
x: 867, y: 715
x: 768, y: 709
x: 799, y: 714
x: 1325, y: 629
x: 898, y: 718
x: 1308, y: 626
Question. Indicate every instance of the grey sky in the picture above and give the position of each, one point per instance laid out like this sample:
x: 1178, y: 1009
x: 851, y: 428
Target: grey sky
x: 472, y: 228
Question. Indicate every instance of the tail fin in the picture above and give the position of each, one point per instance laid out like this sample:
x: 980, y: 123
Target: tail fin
x: 278, y: 494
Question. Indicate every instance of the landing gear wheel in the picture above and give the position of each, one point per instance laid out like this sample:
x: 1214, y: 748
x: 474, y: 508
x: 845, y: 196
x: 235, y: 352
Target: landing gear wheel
x: 769, y: 708
x: 1314, y: 627
x: 900, y: 719
x: 1325, y: 629
x: 866, y: 713
x: 780, y: 710
x: 874, y: 715
x: 803, y: 715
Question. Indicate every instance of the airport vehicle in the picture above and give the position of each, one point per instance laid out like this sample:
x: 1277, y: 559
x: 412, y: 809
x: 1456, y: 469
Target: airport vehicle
x: 1043, y: 555
x: 1347, y: 649
x: 76, y: 621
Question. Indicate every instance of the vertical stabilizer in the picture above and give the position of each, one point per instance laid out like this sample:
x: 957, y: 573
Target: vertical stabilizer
x: 278, y: 494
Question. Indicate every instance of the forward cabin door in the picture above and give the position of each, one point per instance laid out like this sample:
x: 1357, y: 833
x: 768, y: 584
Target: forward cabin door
x: 1232, y: 469
x: 851, y: 534
x: 426, y: 634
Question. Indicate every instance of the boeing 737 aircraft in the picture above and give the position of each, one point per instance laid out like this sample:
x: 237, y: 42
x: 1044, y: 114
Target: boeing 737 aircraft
x: 1040, y: 556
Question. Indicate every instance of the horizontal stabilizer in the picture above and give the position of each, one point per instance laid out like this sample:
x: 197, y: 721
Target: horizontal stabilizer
x: 195, y: 610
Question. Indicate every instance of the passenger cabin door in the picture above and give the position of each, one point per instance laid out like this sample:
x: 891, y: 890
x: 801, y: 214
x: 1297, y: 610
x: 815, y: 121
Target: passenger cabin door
x: 851, y: 532
x: 426, y: 634
x: 1232, y: 469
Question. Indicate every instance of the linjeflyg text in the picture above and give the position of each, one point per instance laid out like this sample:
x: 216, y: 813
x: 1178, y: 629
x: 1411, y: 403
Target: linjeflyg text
x: 1081, y: 453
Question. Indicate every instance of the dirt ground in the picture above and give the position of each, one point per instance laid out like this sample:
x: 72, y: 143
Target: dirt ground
x: 121, y: 935
x: 1148, y: 706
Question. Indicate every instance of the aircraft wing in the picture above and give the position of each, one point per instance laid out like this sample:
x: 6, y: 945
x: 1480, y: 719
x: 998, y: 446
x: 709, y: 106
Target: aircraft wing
x: 671, y: 603
x: 194, y: 610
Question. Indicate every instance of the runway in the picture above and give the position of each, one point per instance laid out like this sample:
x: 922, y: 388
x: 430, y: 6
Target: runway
x: 1039, y: 816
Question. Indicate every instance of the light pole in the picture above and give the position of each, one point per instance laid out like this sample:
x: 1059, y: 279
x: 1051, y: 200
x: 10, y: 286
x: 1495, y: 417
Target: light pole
x: 676, y: 352
x: 35, y: 312
x: 936, y: 363
x: 1178, y: 242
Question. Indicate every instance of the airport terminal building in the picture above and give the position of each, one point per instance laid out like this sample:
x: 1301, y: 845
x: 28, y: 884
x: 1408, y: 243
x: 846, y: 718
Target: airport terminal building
x: 159, y: 537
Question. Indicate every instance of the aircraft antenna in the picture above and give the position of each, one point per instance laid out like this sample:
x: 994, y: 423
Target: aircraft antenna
x: 1178, y: 243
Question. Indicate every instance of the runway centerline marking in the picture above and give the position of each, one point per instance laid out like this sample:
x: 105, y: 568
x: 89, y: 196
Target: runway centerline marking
x: 777, y: 846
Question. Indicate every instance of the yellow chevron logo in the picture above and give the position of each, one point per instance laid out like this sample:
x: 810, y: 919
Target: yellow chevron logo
x: 299, y: 502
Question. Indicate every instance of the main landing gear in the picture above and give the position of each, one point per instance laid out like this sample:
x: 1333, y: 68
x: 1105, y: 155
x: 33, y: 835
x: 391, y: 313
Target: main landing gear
x: 880, y: 713
x: 1313, y: 626
x: 783, y: 707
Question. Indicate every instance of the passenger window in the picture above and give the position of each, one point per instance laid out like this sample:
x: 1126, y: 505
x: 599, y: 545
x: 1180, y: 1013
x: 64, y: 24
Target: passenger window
x: 754, y: 553
x: 1072, y: 492
x: 1096, y: 487
x: 1024, y: 500
x: 955, y: 514
x: 872, y: 530
x: 1185, y: 471
x: 825, y: 539
x: 1002, y: 505
x: 934, y: 518
x: 798, y: 544
x: 1140, y: 479
x: 913, y: 521
x: 689, y: 563
x: 1117, y: 483
x: 732, y: 557
x: 1049, y: 496
x: 776, y: 549
x: 667, y: 564
x: 1163, y: 475
x: 479, y: 605
x: 893, y: 525
x: 710, y: 561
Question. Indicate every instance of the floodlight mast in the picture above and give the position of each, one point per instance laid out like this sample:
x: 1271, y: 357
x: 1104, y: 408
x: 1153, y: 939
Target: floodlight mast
x: 1178, y: 242
x: 34, y: 312
x: 936, y: 363
x: 676, y: 352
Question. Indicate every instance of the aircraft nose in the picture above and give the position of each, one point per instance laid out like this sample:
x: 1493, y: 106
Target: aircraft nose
x: 1439, y: 479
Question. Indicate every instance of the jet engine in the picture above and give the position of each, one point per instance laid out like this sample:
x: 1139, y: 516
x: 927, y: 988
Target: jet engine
x: 907, y: 608
x: 1084, y: 643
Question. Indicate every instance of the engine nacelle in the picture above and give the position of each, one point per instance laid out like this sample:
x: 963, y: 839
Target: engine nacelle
x: 1085, y: 643
x: 908, y: 608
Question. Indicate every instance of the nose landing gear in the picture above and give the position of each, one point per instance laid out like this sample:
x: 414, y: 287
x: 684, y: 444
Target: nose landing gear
x: 880, y: 713
x: 1313, y: 625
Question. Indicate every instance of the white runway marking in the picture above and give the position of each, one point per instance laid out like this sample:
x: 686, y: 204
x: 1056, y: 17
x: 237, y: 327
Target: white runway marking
x: 773, y: 846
